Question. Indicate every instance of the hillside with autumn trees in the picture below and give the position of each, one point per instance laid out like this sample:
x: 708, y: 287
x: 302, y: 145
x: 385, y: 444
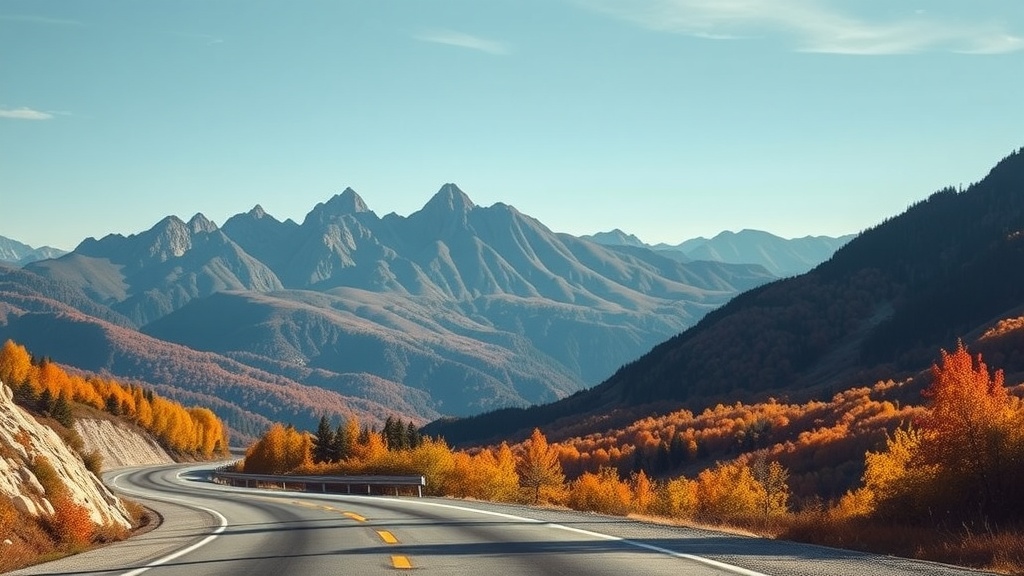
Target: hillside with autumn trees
x: 44, y: 387
x: 55, y: 317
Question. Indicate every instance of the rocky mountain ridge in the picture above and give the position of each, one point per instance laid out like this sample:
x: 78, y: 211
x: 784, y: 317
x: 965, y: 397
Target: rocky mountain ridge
x: 455, y: 309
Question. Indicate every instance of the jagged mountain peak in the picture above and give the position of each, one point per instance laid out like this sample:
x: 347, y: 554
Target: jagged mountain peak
x: 615, y: 237
x: 450, y: 199
x: 348, y: 202
x: 257, y: 212
x: 200, y: 223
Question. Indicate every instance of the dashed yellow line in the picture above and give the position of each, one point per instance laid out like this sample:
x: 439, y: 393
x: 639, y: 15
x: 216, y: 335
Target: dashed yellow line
x: 401, y: 562
x: 354, y: 516
x: 387, y: 537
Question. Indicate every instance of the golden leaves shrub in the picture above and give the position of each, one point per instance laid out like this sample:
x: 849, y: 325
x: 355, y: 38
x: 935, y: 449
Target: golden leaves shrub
x: 71, y: 523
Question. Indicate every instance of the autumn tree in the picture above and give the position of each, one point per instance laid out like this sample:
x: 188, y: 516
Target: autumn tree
x: 602, y: 492
x: 644, y: 493
x: 960, y: 462
x: 774, y: 495
x: 895, y: 480
x: 968, y: 433
x: 728, y: 491
x: 280, y: 450
x: 15, y: 364
x: 539, y: 468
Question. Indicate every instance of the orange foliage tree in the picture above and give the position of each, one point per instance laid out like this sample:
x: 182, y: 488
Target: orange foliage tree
x: 539, y: 470
x: 280, y: 450
x: 960, y: 463
x: 602, y: 492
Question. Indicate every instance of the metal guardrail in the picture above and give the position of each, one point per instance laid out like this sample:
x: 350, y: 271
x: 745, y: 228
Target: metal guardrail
x: 283, y: 480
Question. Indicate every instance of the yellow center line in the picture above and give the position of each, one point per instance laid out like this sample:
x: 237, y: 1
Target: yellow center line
x: 400, y: 562
x: 387, y: 537
x: 354, y: 516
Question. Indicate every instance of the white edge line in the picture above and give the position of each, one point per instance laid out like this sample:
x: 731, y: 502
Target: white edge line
x: 179, y: 553
x: 701, y: 559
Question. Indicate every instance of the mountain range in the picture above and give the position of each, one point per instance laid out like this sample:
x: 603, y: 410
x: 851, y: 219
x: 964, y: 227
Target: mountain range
x: 18, y: 254
x: 950, y: 268
x: 453, y: 310
x: 780, y: 256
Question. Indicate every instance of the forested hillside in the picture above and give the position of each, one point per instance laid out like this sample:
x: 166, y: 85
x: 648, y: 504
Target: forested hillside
x: 878, y: 309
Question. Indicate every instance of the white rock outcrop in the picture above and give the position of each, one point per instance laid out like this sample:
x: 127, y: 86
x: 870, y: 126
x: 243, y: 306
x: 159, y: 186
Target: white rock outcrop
x: 119, y: 445
x: 22, y: 439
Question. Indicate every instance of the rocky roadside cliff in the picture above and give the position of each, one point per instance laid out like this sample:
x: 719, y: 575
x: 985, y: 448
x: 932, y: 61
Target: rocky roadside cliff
x: 119, y: 445
x: 23, y: 441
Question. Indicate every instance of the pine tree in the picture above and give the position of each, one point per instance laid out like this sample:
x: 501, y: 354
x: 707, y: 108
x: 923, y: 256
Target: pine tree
x: 413, y: 435
x: 323, y: 443
x: 62, y: 411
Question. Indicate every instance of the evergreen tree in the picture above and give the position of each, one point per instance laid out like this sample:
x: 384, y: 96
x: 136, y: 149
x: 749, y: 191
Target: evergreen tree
x: 62, y: 411
x: 394, y: 433
x: 112, y: 405
x: 25, y: 395
x: 323, y: 443
x: 45, y: 403
x: 344, y: 438
x: 413, y: 435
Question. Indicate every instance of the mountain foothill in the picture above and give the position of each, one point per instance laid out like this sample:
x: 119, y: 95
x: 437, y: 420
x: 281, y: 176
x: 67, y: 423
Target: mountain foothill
x: 454, y: 310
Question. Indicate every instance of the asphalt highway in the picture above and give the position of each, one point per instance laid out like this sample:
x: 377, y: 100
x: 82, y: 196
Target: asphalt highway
x: 209, y: 529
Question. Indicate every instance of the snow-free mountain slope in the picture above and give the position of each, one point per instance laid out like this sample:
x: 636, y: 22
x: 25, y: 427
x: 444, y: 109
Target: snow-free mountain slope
x: 879, y: 308
x: 454, y: 309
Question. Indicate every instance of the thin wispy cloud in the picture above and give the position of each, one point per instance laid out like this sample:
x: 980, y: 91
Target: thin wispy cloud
x: 462, y: 40
x: 24, y: 114
x: 815, y: 26
x: 207, y: 39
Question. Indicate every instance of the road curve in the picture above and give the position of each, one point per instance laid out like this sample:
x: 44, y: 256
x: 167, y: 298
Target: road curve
x: 211, y: 529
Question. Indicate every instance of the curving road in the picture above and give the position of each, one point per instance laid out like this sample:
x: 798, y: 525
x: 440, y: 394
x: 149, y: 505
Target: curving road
x: 213, y: 529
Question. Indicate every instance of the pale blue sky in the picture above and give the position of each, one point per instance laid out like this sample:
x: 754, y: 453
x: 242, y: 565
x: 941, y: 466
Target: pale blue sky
x: 668, y: 119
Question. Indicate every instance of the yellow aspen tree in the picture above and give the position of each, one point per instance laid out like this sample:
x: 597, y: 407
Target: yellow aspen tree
x: 15, y: 364
x: 773, y: 478
x: 435, y: 461
x: 504, y: 485
x: 728, y: 491
x: 678, y: 499
x: 266, y: 455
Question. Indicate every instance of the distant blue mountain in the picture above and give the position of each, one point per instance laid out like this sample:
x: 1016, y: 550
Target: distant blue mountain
x: 19, y: 254
x: 780, y: 256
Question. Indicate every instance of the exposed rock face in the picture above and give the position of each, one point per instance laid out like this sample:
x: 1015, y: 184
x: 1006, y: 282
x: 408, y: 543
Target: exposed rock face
x: 22, y: 440
x: 119, y: 446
